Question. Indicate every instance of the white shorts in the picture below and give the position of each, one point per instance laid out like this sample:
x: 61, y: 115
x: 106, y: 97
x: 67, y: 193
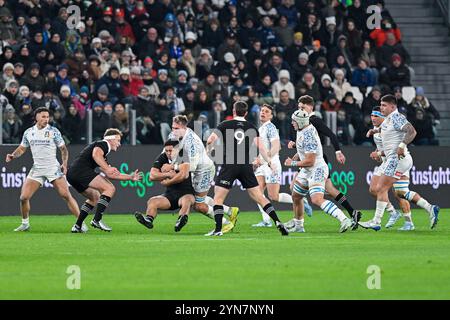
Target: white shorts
x: 271, y: 176
x: 313, y: 177
x: 397, y: 168
x: 378, y: 171
x: 45, y: 174
x: 201, y: 181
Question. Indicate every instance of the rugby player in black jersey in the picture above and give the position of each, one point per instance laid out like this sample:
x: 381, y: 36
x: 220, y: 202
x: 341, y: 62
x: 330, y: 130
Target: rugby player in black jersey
x: 89, y: 182
x: 238, y: 139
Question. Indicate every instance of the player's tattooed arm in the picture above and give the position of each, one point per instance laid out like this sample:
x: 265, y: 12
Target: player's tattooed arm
x: 65, y: 157
x: 20, y: 150
x: 410, y: 133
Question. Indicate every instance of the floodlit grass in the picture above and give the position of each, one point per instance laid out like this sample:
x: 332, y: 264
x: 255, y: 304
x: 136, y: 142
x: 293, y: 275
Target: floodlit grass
x: 133, y: 262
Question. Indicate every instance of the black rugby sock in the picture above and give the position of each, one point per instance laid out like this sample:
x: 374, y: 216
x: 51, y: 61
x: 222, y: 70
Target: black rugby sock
x: 102, y: 204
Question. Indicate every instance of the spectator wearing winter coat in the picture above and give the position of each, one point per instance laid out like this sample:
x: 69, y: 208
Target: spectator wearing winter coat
x: 111, y: 82
x: 33, y: 79
x: 26, y: 116
x: 424, y: 128
x: 11, y: 126
x: 331, y: 104
x: 143, y: 104
x: 320, y: 68
x: 402, y: 105
x: 287, y: 9
x: 82, y: 102
x: 362, y: 76
x: 135, y: 81
x: 420, y: 102
x: 204, y: 64
x: 213, y: 36
x: 341, y: 49
x: 7, y: 75
x: 385, y: 52
x: 100, y: 120
x: 72, y: 125
x: 284, y: 32
x: 397, y: 75
x: 123, y: 28
x: 325, y: 87
x: 292, y: 52
x: 230, y: 45
x: 9, y: 32
x: 308, y: 86
x: 340, y: 85
x: 380, y: 35
x: 371, y: 101
x: 283, y: 84
x: 121, y: 121
x: 56, y: 51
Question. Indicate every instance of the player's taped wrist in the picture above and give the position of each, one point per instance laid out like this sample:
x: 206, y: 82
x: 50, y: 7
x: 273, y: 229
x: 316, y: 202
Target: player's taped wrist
x: 402, y: 145
x: 379, y: 153
x: 294, y: 163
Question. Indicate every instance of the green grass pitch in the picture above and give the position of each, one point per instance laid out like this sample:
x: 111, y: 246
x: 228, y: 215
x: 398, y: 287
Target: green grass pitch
x: 133, y: 262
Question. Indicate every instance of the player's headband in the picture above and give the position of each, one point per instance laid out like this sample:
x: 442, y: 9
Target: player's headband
x: 112, y: 137
x: 377, y: 114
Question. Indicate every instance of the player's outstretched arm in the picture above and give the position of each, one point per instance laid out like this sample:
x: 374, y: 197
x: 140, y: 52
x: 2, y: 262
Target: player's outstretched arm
x: 20, y: 150
x: 180, y: 176
x: 136, y: 176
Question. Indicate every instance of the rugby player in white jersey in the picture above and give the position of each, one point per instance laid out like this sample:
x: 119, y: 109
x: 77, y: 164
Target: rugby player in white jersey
x: 379, y: 156
x: 193, y: 158
x: 313, y: 174
x: 43, y: 140
x: 396, y: 134
x: 268, y: 174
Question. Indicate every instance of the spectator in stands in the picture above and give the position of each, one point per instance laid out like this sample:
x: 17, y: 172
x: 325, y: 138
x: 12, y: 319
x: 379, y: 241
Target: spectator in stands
x: 56, y: 51
x: 318, y: 52
x: 163, y: 80
x: 275, y: 65
x: 283, y: 110
x: 371, y: 101
x: 385, y: 53
x: 331, y: 103
x: 100, y: 120
x: 19, y: 71
x: 402, y: 105
x: 187, y: 62
x: 82, y: 102
x: 340, y: 85
x: 300, y: 67
x: 388, y: 27
x: 72, y: 125
x: 283, y: 84
x: 111, y: 80
x: 230, y: 45
x: 120, y: 120
x: 321, y: 68
x: 420, y: 102
x: 330, y: 38
x: 342, y: 130
x: 135, y: 80
x: 143, y: 103
x: 362, y: 76
x: 11, y: 91
x: 9, y: 32
x: 123, y: 28
x: 292, y: 52
x: 368, y: 53
x: 213, y: 36
x: 151, y: 45
x: 342, y: 64
x: 11, y: 126
x: 284, y: 32
x: 308, y: 86
x: 7, y: 75
x: 174, y: 102
x: 357, y: 14
x: 341, y: 50
x: 424, y: 128
x: 26, y: 116
x: 204, y: 64
x: 354, y: 37
x: 397, y: 75
x: 267, y: 10
x: 325, y: 87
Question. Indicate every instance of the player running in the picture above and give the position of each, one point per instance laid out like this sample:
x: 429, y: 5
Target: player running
x: 236, y: 137
x: 192, y: 158
x: 95, y: 186
x: 43, y: 140
x: 307, y: 103
x: 179, y: 193
x: 268, y: 174
x: 379, y: 156
x: 396, y: 134
x: 314, y: 171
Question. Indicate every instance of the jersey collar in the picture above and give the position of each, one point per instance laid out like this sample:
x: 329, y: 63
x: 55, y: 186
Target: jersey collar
x: 239, y: 118
x: 109, y: 147
x: 37, y: 129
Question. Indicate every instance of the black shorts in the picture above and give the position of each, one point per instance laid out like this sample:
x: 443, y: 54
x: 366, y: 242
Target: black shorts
x: 174, y: 196
x: 229, y: 173
x: 79, y: 179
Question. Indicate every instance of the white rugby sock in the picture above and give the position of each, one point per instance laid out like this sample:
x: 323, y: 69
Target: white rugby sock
x: 26, y: 221
x: 285, y: 198
x: 299, y: 222
x: 265, y: 216
x: 379, y: 212
x: 424, y: 204
x: 210, y: 214
x: 331, y: 209
x: 407, y: 217
x: 390, y: 208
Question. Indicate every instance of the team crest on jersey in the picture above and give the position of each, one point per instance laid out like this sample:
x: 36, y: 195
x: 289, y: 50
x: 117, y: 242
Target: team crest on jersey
x: 47, y: 134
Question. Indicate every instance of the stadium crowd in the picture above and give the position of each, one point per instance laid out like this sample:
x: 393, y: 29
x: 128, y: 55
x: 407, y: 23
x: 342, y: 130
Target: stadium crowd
x: 196, y: 57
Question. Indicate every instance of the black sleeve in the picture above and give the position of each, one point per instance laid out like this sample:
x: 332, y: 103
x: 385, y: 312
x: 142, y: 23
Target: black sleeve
x: 103, y: 145
x: 322, y: 129
x: 160, y: 161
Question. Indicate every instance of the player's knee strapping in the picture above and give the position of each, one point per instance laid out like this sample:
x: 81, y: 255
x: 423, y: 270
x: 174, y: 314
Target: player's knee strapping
x: 316, y: 189
x: 300, y: 190
x: 402, y: 189
x: 102, y: 204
